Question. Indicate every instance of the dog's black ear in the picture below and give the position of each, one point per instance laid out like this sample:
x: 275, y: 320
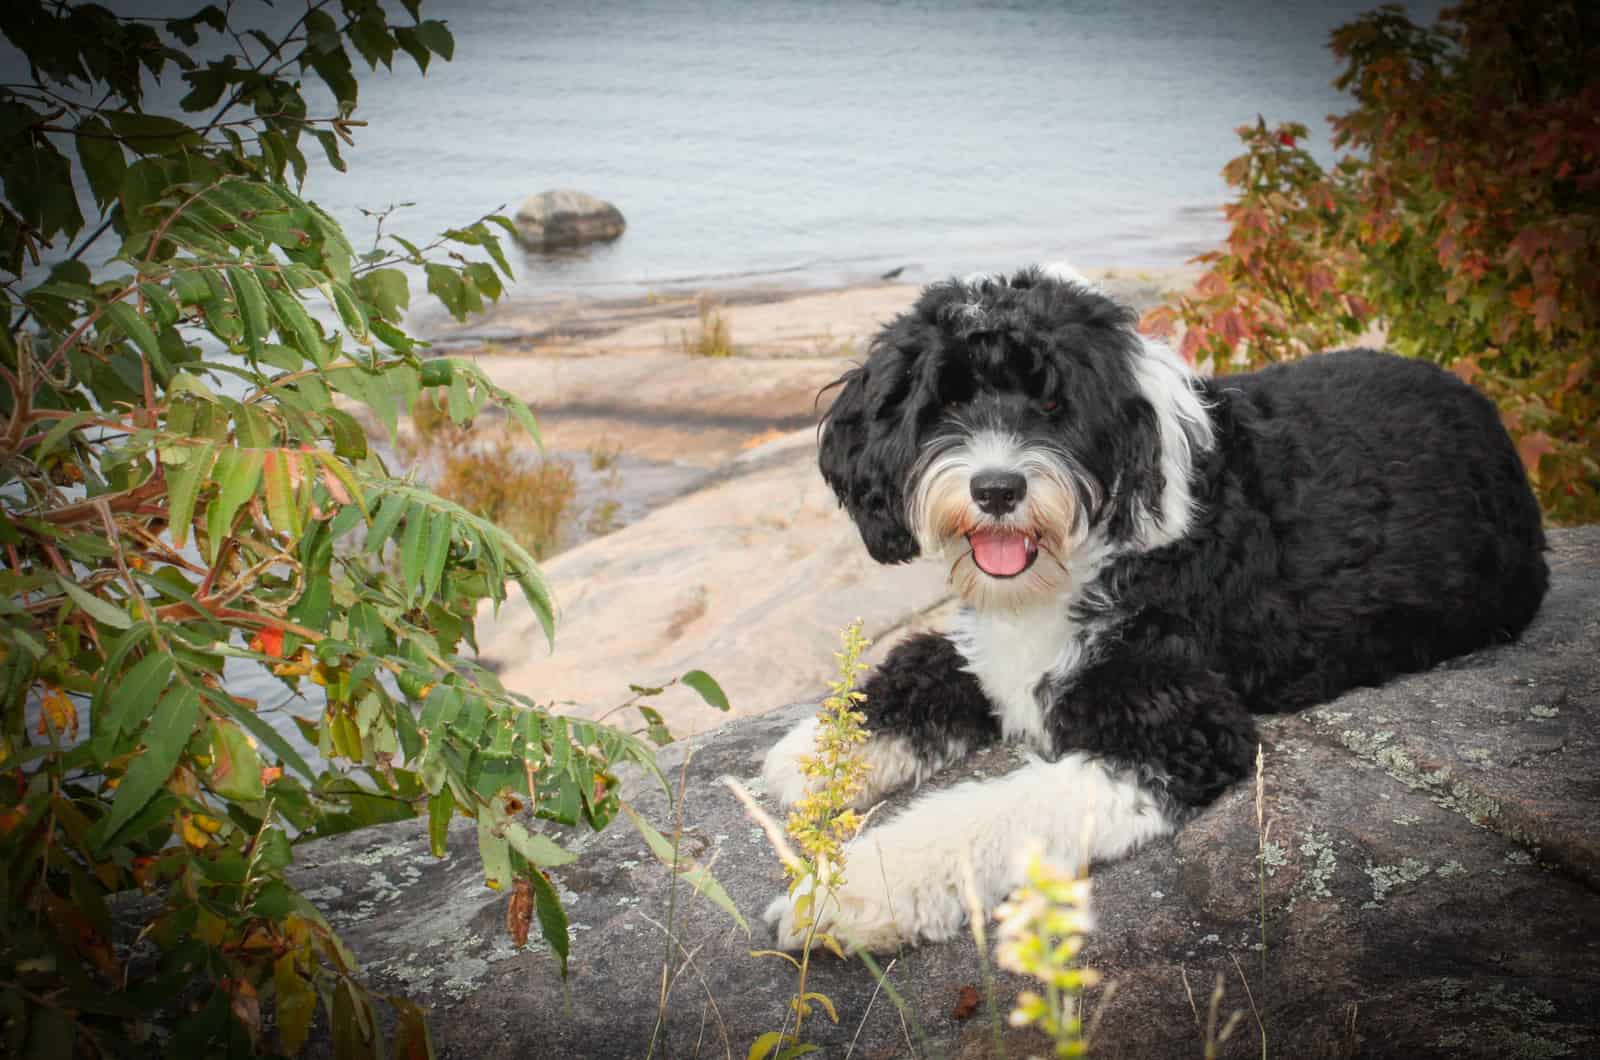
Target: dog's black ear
x: 865, y: 457
x: 1131, y: 442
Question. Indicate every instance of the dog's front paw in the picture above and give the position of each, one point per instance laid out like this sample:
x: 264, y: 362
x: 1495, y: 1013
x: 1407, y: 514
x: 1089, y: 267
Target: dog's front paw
x: 860, y: 915
x: 780, y: 773
x: 887, y: 900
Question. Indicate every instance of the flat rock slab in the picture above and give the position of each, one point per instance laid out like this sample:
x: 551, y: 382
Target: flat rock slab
x: 1424, y: 885
x: 749, y: 578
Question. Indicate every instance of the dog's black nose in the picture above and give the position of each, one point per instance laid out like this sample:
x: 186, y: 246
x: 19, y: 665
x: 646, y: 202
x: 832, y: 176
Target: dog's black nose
x: 997, y: 492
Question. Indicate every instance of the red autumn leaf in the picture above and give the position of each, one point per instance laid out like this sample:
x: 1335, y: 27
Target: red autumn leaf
x: 335, y: 487
x: 1230, y: 325
x: 966, y: 1003
x: 1531, y: 447
x: 268, y: 641
x: 1285, y: 139
x: 1159, y: 321
x: 1466, y: 369
x: 1190, y: 346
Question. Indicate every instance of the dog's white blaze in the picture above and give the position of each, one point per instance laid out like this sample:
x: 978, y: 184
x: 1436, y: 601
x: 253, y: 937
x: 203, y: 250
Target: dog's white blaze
x: 891, y: 765
x: 1009, y: 651
x: 1186, y: 432
x: 905, y: 876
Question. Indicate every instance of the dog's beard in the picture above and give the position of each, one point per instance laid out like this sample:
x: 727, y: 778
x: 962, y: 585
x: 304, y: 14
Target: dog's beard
x: 1008, y: 560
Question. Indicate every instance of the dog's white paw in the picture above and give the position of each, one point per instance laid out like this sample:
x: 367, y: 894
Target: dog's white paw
x: 780, y: 773
x: 886, y: 901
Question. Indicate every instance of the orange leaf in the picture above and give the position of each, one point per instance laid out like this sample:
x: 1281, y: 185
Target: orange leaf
x: 1158, y: 321
x: 1531, y: 447
x: 268, y: 641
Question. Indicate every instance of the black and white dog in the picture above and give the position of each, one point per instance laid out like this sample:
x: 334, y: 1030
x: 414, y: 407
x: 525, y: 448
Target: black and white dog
x: 1146, y: 559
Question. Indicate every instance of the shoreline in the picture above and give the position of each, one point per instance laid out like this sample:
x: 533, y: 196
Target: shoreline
x: 577, y: 323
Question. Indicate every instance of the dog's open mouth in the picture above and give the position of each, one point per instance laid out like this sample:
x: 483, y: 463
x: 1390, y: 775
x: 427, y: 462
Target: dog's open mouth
x: 1003, y: 553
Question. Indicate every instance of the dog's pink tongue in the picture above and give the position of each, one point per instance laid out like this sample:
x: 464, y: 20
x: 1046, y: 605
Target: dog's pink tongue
x: 999, y: 552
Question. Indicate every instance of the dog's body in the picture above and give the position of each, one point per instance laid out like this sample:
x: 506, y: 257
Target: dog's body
x: 1146, y: 560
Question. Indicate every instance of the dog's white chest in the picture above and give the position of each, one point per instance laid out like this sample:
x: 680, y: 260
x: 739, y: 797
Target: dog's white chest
x: 1010, y: 652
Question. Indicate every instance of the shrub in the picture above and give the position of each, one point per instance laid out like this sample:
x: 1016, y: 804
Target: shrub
x: 1463, y: 218
x: 181, y: 493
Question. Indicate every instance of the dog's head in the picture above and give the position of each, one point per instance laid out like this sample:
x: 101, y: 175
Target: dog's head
x: 1003, y: 423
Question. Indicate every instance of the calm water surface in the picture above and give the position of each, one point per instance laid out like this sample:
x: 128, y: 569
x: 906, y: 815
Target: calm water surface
x: 814, y: 142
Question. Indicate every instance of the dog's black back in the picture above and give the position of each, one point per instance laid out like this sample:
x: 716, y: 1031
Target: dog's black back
x: 1362, y: 515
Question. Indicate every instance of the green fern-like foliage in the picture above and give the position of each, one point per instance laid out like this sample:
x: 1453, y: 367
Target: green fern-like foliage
x: 184, y: 487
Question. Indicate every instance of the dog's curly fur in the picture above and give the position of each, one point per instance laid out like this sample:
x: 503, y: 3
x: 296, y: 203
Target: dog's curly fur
x: 1198, y: 551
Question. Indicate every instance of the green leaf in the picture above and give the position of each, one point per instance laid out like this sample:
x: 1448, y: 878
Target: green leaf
x: 322, y: 32
x: 238, y: 473
x: 387, y: 517
x: 96, y: 608
x: 539, y: 849
x: 445, y: 283
x: 56, y: 434
x: 160, y: 302
x: 235, y: 771
x: 349, y: 309
x: 103, y: 161
x: 264, y: 732
x: 436, y: 38
x: 552, y: 918
x: 441, y: 808
x: 164, y: 738
x: 130, y: 700
x: 131, y: 324
x: 297, y: 1004
x: 413, y: 544
x: 183, y: 485
x: 295, y: 324
x: 438, y: 551
x: 252, y: 302
x: 495, y: 850
x: 282, y: 507
x: 406, y: 38
x: 152, y: 134
x: 696, y: 876
x: 708, y: 688
x: 387, y: 290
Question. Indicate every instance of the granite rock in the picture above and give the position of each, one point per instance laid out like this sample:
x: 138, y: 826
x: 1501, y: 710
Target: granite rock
x: 1425, y: 885
x: 565, y: 218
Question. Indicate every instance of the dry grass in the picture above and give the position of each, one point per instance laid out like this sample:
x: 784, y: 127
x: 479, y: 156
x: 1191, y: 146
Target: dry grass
x: 498, y: 476
x: 527, y: 499
x: 714, y: 338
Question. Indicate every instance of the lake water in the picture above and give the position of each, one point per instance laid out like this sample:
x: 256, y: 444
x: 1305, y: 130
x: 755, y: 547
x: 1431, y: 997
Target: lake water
x: 815, y: 142
x: 818, y: 142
